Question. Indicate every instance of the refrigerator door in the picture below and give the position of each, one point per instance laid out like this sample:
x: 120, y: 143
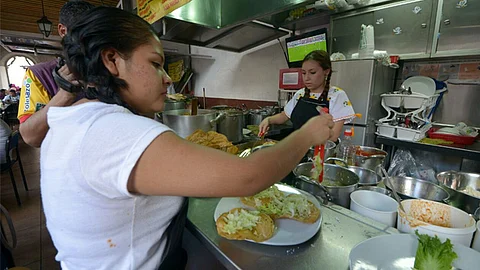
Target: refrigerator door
x: 364, y: 81
x: 360, y: 135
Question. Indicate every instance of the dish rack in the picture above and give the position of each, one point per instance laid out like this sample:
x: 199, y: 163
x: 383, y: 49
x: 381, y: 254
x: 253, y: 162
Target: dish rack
x: 415, y: 107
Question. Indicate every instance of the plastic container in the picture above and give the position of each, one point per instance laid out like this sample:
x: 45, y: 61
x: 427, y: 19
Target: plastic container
x: 346, y: 148
x: 476, y: 240
x: 393, y: 101
x: 459, y: 226
x: 386, y: 130
x: 374, y: 205
x: 413, y: 101
x: 458, y: 139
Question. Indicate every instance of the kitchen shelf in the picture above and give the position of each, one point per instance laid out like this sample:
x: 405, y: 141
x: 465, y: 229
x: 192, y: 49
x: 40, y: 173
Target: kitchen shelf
x: 469, y: 152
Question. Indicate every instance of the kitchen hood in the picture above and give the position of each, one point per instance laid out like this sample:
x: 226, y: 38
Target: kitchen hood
x: 232, y: 25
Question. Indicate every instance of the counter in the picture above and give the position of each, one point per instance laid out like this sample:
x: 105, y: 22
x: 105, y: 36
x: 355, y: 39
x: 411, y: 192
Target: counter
x: 340, y: 231
x: 470, y: 151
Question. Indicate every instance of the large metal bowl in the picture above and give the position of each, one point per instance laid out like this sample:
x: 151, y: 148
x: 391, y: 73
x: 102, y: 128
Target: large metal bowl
x: 412, y: 188
x: 367, y: 177
x: 453, y: 182
x: 339, y: 194
x: 369, y: 157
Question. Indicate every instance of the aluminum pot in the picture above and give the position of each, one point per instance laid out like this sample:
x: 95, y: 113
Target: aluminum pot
x: 369, y: 157
x: 231, y: 125
x: 339, y: 194
x: 367, y: 177
x: 255, y: 117
x: 329, y: 151
x: 412, y: 188
x: 454, y: 181
x: 185, y: 124
x: 174, y: 105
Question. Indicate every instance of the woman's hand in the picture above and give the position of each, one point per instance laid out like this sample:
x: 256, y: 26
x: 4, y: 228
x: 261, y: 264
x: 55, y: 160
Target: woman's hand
x: 319, y: 128
x: 264, y: 126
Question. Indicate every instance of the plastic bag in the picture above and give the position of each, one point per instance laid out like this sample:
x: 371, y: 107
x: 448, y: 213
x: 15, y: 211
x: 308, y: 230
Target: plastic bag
x: 406, y: 164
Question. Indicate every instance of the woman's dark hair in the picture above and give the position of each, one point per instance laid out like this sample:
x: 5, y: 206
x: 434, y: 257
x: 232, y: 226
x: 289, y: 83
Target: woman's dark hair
x: 99, y: 29
x: 323, y: 59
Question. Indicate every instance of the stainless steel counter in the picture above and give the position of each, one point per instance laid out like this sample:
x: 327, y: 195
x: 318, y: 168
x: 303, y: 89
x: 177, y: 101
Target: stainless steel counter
x: 341, y: 230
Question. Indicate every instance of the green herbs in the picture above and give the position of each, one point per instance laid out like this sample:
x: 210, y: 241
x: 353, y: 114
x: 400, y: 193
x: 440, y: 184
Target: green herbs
x: 432, y: 254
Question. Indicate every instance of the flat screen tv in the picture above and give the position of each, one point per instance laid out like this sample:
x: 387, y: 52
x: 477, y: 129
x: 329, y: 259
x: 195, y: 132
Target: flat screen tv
x: 299, y: 46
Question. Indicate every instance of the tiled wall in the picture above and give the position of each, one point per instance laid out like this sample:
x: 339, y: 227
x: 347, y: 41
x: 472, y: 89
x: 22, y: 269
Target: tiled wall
x: 248, y: 77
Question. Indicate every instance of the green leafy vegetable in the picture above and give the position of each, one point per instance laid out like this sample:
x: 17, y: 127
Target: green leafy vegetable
x: 432, y: 254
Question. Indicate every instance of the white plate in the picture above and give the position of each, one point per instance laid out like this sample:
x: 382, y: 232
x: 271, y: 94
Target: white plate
x: 421, y: 84
x: 287, y: 232
x: 246, y: 131
x: 397, y: 252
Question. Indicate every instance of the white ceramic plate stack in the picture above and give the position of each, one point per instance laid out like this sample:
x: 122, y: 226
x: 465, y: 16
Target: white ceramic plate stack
x: 419, y: 104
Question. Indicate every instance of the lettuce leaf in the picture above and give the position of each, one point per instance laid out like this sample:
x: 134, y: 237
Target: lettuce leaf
x: 432, y: 254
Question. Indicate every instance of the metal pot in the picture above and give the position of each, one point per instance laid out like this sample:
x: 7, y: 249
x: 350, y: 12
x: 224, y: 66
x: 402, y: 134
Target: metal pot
x: 185, y: 124
x: 340, y: 194
x: 454, y: 181
x: 369, y: 157
x: 329, y: 151
x: 231, y: 125
x: 367, y: 177
x: 412, y: 188
x: 255, y: 117
x: 174, y: 105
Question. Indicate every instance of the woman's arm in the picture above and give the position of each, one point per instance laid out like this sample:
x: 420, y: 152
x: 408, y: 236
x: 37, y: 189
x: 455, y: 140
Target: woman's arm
x: 187, y: 169
x: 276, y: 119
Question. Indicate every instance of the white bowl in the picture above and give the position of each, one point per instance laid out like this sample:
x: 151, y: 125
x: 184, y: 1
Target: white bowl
x: 450, y: 222
x: 392, y: 100
x: 374, y: 205
x: 476, y: 240
x: 386, y: 130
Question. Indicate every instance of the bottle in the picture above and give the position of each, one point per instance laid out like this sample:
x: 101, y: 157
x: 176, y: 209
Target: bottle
x: 346, y: 149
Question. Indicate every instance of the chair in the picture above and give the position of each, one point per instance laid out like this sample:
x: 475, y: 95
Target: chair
x: 10, y: 145
x: 10, y: 115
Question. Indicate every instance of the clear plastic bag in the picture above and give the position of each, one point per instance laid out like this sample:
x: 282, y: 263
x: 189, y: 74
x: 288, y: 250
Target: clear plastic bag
x: 406, y: 164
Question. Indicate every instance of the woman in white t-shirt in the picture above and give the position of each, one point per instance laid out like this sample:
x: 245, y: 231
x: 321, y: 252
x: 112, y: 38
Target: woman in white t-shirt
x: 113, y: 182
x: 317, y: 71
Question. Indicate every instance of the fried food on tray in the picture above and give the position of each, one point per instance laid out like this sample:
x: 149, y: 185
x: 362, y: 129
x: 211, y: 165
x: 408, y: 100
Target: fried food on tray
x: 177, y: 96
x: 212, y: 139
x: 270, y: 143
x: 243, y: 224
x: 274, y: 203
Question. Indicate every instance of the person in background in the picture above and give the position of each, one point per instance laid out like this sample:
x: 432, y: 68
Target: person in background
x: 3, y: 93
x: 12, y: 97
x: 5, y: 131
x: 316, y: 72
x: 123, y: 204
x: 39, y: 88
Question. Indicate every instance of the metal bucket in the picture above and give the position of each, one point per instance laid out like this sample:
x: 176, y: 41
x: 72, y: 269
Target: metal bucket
x: 369, y: 158
x: 231, y: 125
x: 185, y: 124
x: 329, y: 151
x: 454, y: 181
x: 174, y: 105
x: 255, y: 117
x: 339, y: 194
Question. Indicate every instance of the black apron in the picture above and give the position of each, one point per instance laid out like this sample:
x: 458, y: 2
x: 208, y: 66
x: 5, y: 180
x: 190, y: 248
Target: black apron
x: 305, y: 109
x: 175, y: 256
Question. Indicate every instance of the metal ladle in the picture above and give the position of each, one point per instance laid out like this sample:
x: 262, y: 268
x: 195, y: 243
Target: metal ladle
x: 394, y: 191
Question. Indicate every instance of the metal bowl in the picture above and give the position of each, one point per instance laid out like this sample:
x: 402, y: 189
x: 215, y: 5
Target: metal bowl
x: 329, y: 151
x: 376, y: 189
x: 367, y: 177
x: 454, y: 181
x: 339, y: 194
x: 369, y: 157
x: 412, y: 188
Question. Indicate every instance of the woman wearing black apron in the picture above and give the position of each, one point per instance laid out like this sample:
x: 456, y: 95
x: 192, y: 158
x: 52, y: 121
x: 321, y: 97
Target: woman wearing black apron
x: 317, y: 71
